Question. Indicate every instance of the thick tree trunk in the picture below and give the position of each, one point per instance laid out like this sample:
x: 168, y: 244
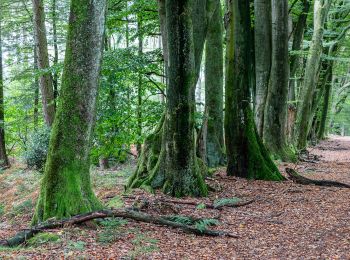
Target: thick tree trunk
x: 263, y: 23
x: 168, y: 160
x: 325, y: 106
x: 275, y: 120
x: 304, y: 115
x: 247, y: 156
x: 214, y: 76
x: 46, y: 86
x: 4, y: 162
x: 66, y: 188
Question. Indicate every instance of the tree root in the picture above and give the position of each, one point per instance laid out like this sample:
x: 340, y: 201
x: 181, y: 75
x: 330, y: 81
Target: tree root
x: 23, y: 236
x: 297, y: 178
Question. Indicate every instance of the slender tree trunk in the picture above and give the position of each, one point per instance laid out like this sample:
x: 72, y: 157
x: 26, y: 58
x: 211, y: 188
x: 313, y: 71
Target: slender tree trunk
x: 36, y: 92
x: 304, y: 114
x: 298, y: 38
x: 214, y: 76
x: 66, y: 187
x: 46, y: 87
x: 139, y: 86
x: 4, y: 162
x: 295, y: 63
x: 55, y: 47
x: 275, y: 120
x: 246, y: 154
x: 263, y: 23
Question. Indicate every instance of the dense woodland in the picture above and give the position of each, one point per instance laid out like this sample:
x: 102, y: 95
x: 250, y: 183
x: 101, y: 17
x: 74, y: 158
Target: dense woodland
x: 181, y: 95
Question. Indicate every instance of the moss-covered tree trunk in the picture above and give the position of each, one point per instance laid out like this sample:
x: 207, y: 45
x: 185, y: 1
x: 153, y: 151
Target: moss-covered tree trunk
x: 168, y: 160
x: 46, y: 85
x: 304, y: 114
x: 247, y: 156
x: 66, y: 188
x: 275, y: 119
x: 4, y: 162
x: 262, y: 39
x: 214, y: 83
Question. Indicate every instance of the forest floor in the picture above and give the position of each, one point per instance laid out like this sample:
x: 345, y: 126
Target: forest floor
x: 285, y: 221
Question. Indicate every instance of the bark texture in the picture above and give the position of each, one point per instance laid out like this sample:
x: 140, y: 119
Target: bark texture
x: 275, y: 120
x: 66, y: 188
x: 214, y: 83
x: 46, y: 85
x: 263, y: 46
x: 304, y: 114
x: 4, y: 161
x: 246, y: 154
x: 168, y: 160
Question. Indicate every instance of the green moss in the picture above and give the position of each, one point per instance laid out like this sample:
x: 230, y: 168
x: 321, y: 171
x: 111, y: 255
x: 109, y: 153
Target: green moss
x: 43, y: 238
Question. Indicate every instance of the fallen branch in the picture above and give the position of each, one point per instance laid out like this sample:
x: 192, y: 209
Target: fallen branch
x: 297, y: 178
x: 23, y: 236
x: 234, y: 204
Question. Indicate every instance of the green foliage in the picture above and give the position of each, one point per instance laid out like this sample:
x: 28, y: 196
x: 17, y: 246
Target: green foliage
x: 111, y: 230
x: 203, y: 224
x: 201, y: 206
x: 43, y: 238
x: 226, y: 202
x: 37, y: 149
x: 200, y: 224
x: 77, y: 245
x: 143, y: 245
x: 2, y: 209
x: 23, y: 207
x: 116, y: 202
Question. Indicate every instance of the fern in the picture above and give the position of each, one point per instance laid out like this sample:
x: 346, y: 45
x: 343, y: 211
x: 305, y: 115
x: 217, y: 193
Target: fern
x: 181, y: 219
x: 226, y: 202
x: 203, y: 224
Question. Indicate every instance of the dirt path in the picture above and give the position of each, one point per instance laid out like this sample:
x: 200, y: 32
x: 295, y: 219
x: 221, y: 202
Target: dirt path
x: 287, y: 221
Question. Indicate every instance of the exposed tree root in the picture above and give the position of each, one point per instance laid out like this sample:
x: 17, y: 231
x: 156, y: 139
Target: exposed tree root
x: 23, y: 236
x: 296, y: 177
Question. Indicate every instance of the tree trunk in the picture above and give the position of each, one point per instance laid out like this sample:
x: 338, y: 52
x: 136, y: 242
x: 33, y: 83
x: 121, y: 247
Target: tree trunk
x: 263, y: 23
x: 46, y: 87
x: 295, y: 63
x: 326, y: 102
x: 168, y: 160
x: 4, y: 162
x: 247, y: 156
x: 304, y: 114
x: 214, y: 76
x: 36, y: 93
x: 55, y: 47
x: 66, y: 187
x: 139, y: 86
x: 275, y: 120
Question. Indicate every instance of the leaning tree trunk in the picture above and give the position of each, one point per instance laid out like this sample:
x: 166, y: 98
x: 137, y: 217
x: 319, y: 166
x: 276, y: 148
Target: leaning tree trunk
x: 4, y: 162
x: 304, y: 114
x: 275, y: 120
x: 295, y: 63
x: 168, y: 160
x: 214, y: 76
x: 262, y: 39
x: 246, y: 154
x: 46, y: 85
x: 66, y: 188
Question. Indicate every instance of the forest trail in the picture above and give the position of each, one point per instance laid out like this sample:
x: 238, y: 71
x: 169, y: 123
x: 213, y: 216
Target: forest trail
x: 286, y: 220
